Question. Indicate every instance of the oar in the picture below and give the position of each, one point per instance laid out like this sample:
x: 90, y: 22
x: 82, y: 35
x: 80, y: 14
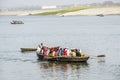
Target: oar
x: 100, y: 55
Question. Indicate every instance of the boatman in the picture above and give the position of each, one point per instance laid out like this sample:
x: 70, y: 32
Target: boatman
x: 38, y: 49
x: 41, y: 45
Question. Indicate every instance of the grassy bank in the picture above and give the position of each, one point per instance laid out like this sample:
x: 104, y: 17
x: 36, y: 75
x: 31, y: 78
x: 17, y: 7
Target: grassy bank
x: 59, y: 12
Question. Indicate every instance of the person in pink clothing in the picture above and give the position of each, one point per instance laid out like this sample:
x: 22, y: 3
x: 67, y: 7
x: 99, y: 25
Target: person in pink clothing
x: 65, y: 52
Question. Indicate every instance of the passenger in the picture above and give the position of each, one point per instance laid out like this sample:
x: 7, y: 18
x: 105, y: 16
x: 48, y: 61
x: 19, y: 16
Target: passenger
x: 81, y: 53
x: 68, y: 52
x: 77, y: 52
x: 52, y: 52
x: 72, y: 53
x: 60, y: 52
x: 65, y: 52
x: 48, y: 51
x: 44, y: 51
x: 56, y: 51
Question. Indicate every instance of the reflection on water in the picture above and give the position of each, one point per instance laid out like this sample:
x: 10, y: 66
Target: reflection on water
x: 62, y: 70
x: 62, y: 65
x: 101, y: 60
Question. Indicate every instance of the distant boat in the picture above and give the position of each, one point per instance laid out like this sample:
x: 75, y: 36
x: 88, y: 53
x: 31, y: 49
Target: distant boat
x: 16, y: 22
x: 28, y: 49
x: 62, y: 15
x: 101, y: 15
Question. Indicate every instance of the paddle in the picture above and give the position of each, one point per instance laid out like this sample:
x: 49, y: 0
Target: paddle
x: 100, y: 55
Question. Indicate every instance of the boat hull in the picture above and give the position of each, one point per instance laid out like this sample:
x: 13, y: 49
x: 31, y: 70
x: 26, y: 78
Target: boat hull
x: 64, y: 59
x: 69, y: 59
x: 16, y: 22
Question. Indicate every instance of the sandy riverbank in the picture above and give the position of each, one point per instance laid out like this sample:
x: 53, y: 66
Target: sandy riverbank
x: 115, y: 10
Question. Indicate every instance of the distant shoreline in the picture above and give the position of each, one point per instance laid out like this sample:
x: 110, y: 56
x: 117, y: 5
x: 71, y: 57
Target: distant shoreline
x: 113, y: 10
x: 23, y: 13
x: 92, y: 11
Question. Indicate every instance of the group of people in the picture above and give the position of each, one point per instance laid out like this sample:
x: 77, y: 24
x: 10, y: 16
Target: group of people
x: 58, y: 51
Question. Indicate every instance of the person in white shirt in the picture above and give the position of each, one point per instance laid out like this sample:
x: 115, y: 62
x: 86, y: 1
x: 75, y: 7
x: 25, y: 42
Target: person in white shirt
x: 38, y: 51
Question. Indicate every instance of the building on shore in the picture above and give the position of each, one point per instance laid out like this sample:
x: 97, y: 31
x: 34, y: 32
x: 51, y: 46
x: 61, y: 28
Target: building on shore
x: 48, y: 7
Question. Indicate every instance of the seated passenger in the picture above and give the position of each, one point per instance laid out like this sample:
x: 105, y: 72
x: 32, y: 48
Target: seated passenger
x: 51, y: 53
x: 68, y: 52
x: 77, y: 52
x: 65, y: 52
x: 48, y: 51
x: 72, y: 53
x: 81, y: 53
x: 56, y: 51
x: 44, y: 51
x: 60, y: 52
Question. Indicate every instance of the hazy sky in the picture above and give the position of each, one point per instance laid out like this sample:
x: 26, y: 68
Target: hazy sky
x: 20, y: 3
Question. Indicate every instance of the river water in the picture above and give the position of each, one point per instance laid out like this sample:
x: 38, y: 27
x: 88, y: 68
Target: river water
x: 92, y: 34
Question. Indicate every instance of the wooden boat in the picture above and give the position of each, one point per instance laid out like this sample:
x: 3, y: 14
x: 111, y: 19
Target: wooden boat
x: 64, y: 59
x: 101, y: 15
x: 28, y: 49
x: 16, y: 22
